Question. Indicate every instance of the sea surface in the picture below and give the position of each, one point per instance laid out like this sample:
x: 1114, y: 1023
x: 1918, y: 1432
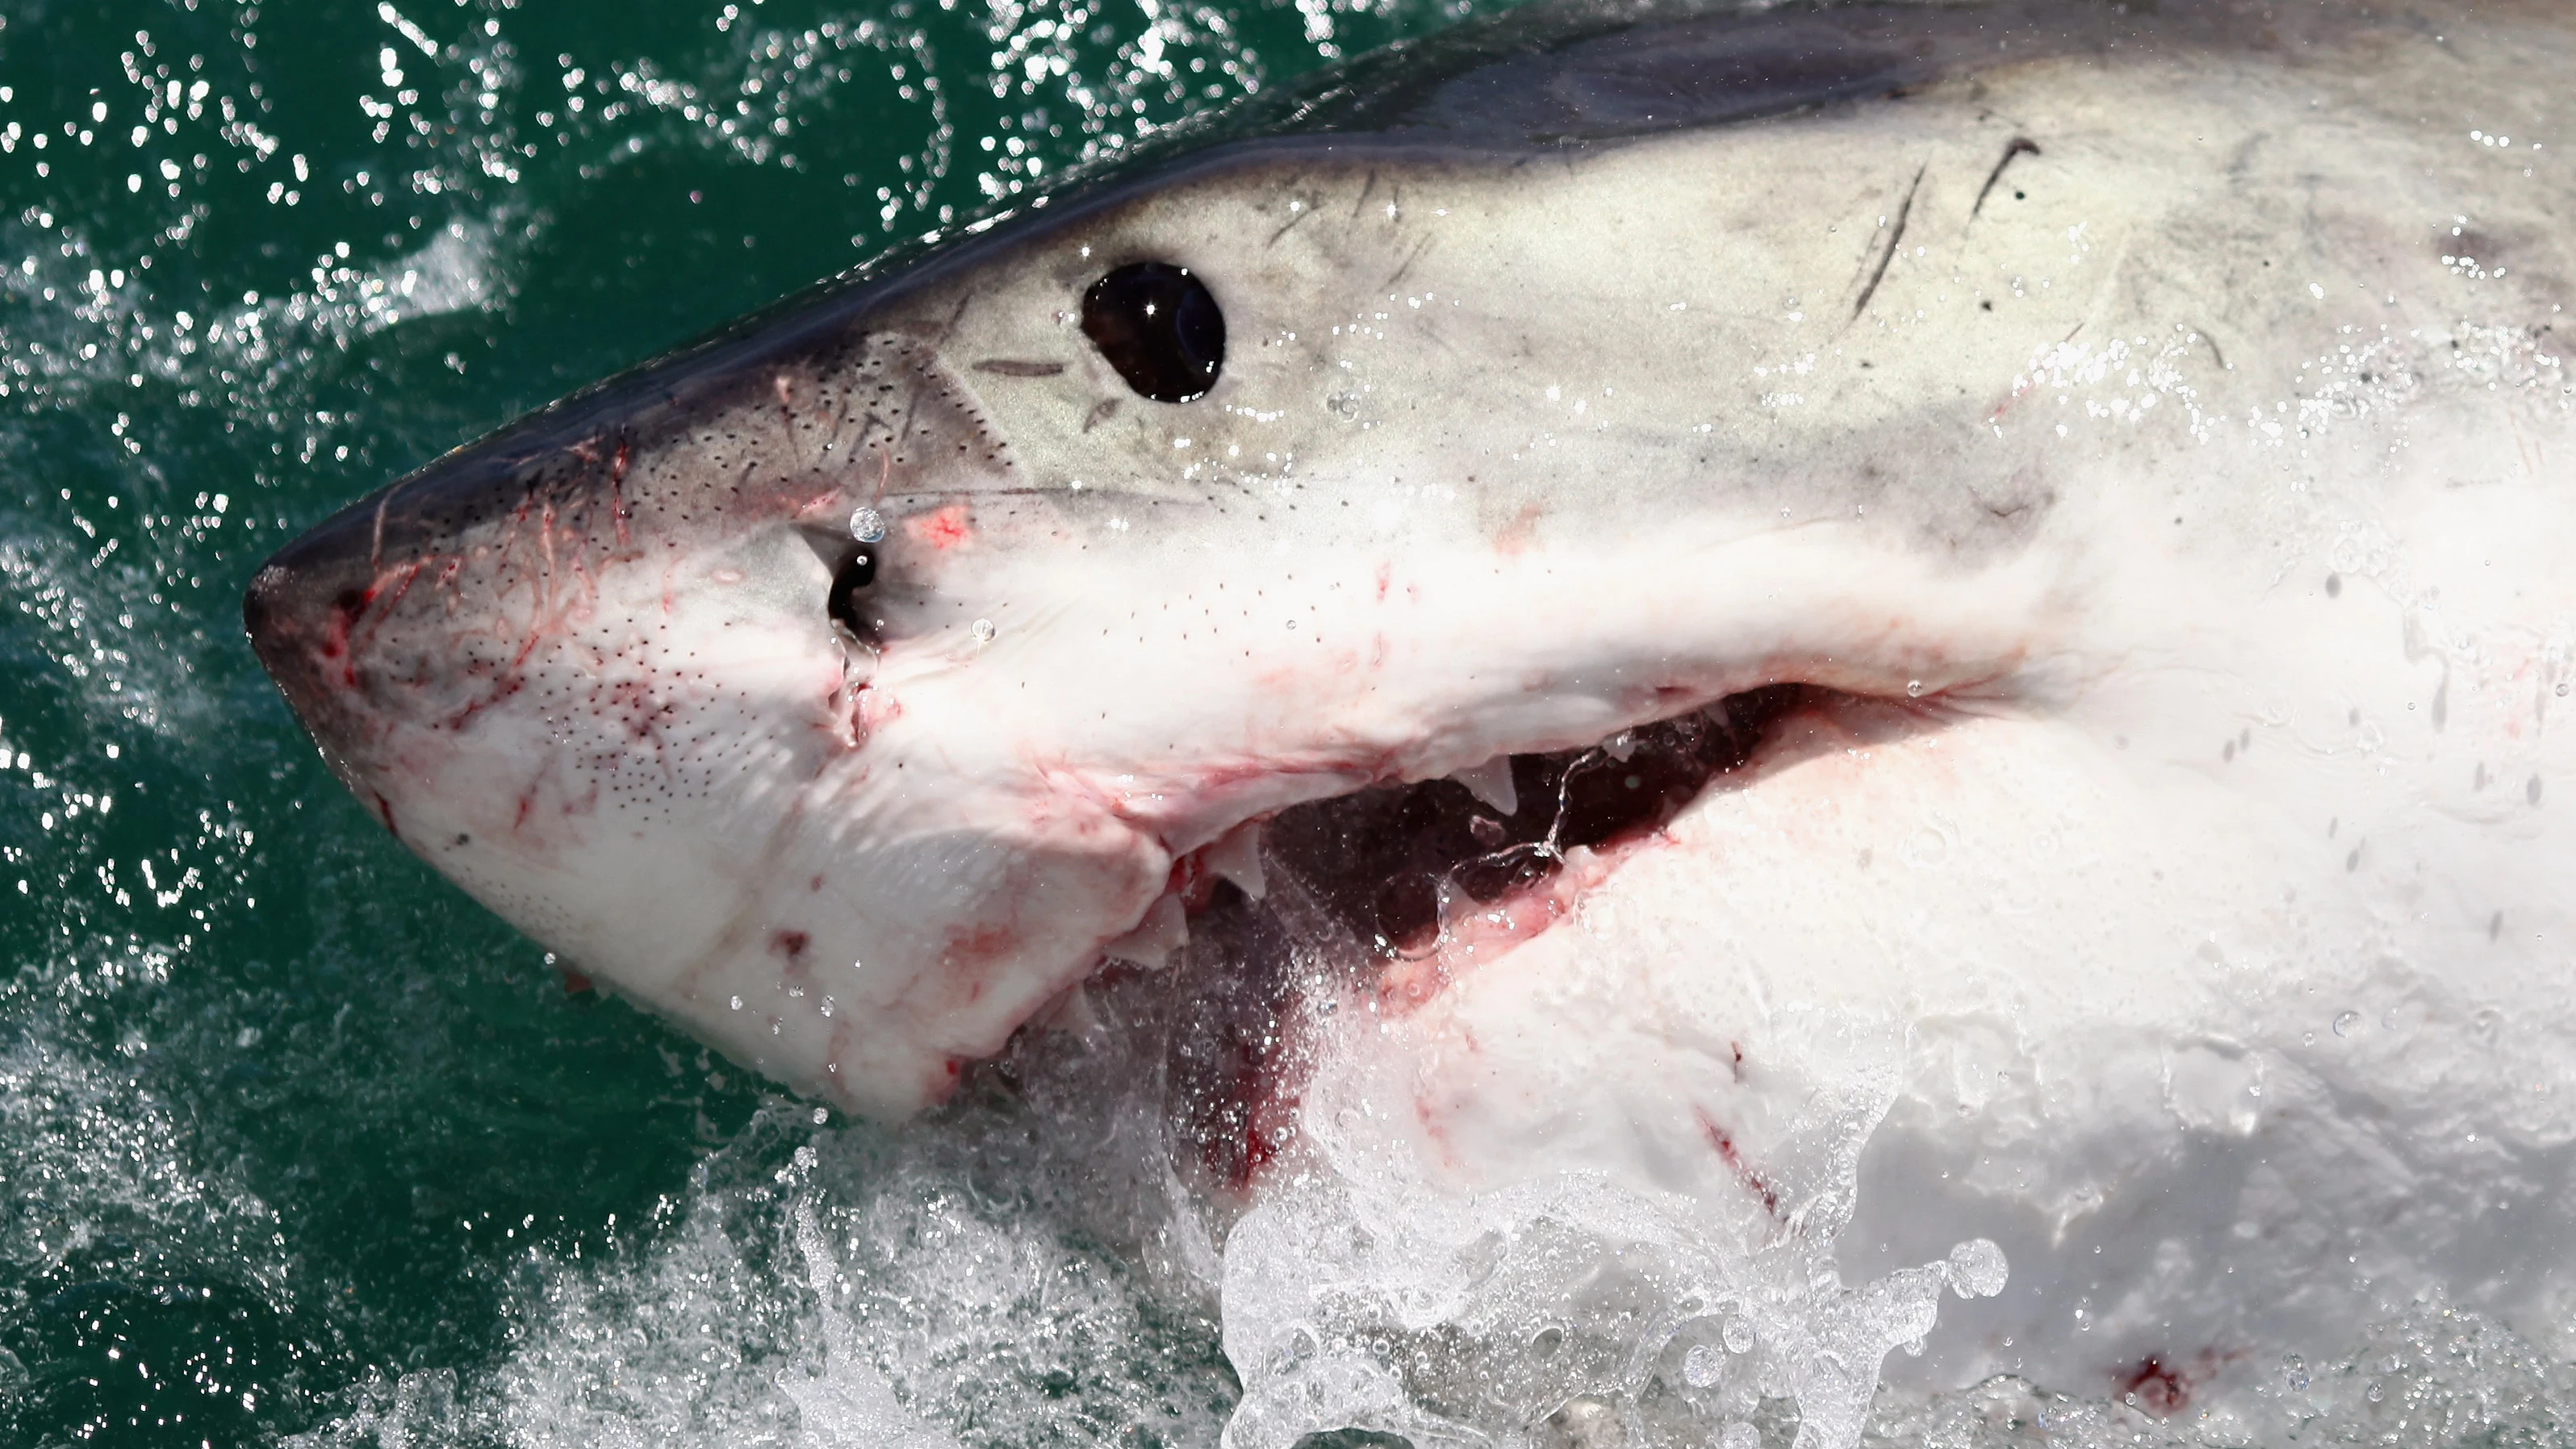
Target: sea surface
x: 297, y: 1144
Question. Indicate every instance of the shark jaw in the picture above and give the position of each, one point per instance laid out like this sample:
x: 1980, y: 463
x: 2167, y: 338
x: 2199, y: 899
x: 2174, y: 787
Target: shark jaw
x: 859, y: 863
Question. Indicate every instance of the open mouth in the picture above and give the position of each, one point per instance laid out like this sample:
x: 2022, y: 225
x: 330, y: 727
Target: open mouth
x: 1380, y: 895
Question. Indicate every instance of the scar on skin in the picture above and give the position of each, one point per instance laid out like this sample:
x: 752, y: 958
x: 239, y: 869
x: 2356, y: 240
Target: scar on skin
x: 1895, y: 239
x: 2017, y: 146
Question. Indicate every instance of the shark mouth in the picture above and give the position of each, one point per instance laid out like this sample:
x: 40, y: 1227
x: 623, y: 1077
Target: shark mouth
x: 1382, y: 896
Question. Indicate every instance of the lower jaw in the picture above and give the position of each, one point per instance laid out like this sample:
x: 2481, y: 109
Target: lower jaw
x: 1385, y: 897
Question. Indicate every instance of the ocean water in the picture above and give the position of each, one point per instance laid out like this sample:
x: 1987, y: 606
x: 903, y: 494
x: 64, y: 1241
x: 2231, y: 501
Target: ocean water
x: 297, y: 1144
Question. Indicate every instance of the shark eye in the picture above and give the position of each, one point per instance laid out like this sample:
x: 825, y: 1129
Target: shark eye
x: 847, y: 585
x: 1159, y: 327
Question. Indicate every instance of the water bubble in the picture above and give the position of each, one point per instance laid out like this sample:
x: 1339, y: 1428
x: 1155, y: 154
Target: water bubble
x: 1739, y: 1435
x: 1700, y: 1367
x: 2345, y: 1021
x: 867, y: 525
x: 1738, y: 1334
x: 1914, y: 689
x: 1978, y: 1269
x: 984, y: 631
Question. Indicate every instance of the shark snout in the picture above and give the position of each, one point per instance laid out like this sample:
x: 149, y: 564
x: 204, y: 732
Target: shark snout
x: 302, y: 611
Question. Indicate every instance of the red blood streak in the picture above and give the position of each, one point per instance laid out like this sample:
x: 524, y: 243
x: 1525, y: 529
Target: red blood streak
x: 1720, y: 1139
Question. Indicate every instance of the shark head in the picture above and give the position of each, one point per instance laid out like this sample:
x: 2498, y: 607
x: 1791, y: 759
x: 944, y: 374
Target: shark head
x: 845, y: 688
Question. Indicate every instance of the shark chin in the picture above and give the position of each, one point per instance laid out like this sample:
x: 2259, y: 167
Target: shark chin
x: 1922, y: 648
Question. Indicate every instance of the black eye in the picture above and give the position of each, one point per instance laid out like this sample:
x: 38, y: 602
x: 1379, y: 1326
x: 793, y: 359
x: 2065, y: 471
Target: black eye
x: 1159, y: 327
x: 848, y: 585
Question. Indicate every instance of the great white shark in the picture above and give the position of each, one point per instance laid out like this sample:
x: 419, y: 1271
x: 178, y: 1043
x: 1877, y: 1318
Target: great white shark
x: 1617, y: 576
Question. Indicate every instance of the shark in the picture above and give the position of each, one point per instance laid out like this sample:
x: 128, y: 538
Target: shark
x: 1587, y: 586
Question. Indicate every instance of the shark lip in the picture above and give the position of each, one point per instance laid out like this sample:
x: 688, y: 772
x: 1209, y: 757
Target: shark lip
x: 1383, y: 896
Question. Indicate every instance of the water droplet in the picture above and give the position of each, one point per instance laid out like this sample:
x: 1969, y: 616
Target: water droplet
x: 867, y: 525
x: 2345, y: 1021
x: 984, y: 631
x: 1977, y: 1269
x: 1737, y: 1335
x: 1700, y: 1367
x: 1914, y: 689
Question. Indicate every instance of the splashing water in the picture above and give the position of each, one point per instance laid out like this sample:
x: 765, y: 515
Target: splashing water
x: 300, y: 1147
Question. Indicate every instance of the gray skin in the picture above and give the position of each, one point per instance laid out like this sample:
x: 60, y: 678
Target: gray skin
x: 2077, y: 390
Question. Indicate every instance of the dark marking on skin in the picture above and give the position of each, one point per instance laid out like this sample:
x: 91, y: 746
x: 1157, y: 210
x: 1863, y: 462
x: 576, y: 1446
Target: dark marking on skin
x: 1107, y: 409
x: 2157, y: 1387
x: 2334, y: 586
x: 1895, y: 239
x: 1013, y: 367
x: 1294, y: 217
x: 2215, y: 355
x: 2017, y: 146
x: 575, y: 981
x: 790, y: 944
x: 1409, y: 259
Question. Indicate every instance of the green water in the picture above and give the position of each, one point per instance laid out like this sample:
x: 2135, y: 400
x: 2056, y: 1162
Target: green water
x: 283, y: 1117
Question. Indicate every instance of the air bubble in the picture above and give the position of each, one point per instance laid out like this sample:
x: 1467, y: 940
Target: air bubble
x: 1978, y: 1269
x: 867, y: 525
x: 1738, y: 1334
x: 1914, y: 689
x: 1700, y: 1367
x: 737, y: 1003
x: 984, y: 631
x: 1739, y: 1435
x: 2345, y: 1021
